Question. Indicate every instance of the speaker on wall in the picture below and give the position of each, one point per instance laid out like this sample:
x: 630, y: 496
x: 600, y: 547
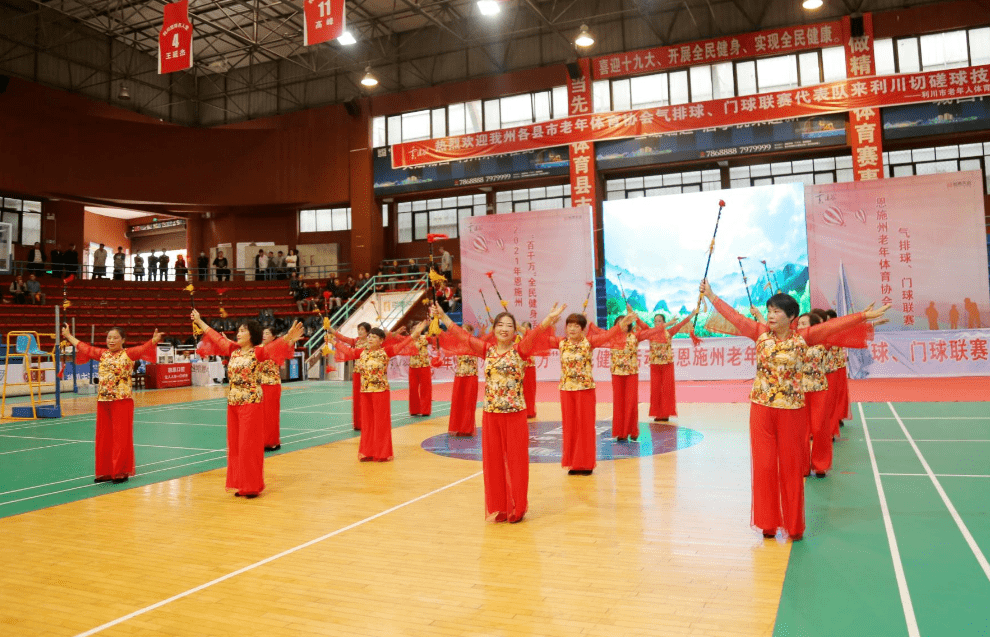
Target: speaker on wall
x: 352, y: 107
x: 4, y: 81
x: 574, y: 70
x: 856, y: 29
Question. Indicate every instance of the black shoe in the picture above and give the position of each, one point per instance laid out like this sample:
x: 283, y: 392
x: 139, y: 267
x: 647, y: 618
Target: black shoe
x: 102, y: 479
x: 251, y: 496
x: 819, y: 474
x: 119, y: 480
x: 579, y: 472
x: 275, y: 448
x: 769, y: 535
x: 622, y: 439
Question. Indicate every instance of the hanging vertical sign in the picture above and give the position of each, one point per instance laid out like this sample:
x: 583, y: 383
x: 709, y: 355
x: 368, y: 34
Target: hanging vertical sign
x: 584, y: 176
x: 865, y: 127
x: 324, y: 21
x: 175, y: 39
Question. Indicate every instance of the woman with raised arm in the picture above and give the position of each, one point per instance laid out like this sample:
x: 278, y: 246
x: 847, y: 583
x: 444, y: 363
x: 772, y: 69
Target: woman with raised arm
x: 360, y: 342
x: 836, y: 361
x: 464, y: 394
x: 577, y: 388
x: 625, y: 378
x: 663, y: 399
x: 375, y: 397
x: 420, y: 378
x: 778, y: 415
x: 270, y: 376
x: 114, y: 405
x: 245, y: 411
x: 505, y: 434
x: 814, y: 384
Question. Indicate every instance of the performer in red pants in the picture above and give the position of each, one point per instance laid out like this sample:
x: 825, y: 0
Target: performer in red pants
x: 505, y: 434
x: 815, y: 388
x: 420, y: 379
x: 270, y: 376
x: 529, y: 380
x: 663, y: 398
x: 375, y: 396
x: 778, y: 415
x: 625, y: 380
x: 577, y: 388
x: 245, y: 413
x: 464, y: 394
x: 360, y: 342
x: 114, y: 405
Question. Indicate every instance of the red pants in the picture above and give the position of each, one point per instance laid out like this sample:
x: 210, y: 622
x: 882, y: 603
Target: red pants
x: 505, y: 461
x: 529, y: 391
x: 420, y: 391
x: 578, y: 416
x: 115, y: 438
x: 376, y: 428
x: 838, y: 386
x: 356, y: 399
x: 663, y: 402
x: 776, y: 437
x: 625, y: 406
x: 272, y: 406
x: 463, y: 405
x: 246, y: 448
x: 821, y: 430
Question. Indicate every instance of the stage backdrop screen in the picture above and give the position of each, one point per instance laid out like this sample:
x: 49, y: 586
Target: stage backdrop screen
x: 918, y: 243
x: 655, y: 253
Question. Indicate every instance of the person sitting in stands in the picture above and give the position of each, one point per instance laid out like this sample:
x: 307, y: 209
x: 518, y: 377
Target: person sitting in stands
x: 18, y: 291
x: 34, y: 293
x: 335, y: 300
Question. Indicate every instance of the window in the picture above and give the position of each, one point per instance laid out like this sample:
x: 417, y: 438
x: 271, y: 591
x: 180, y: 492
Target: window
x: 907, y: 56
x: 24, y: 217
x: 979, y: 46
x: 649, y: 91
x: 601, y: 96
x: 384, y: 215
x: 944, y: 51
x: 701, y: 83
x: 325, y: 220
x: 679, y: 93
x: 722, y: 81
x: 663, y: 184
x: 941, y: 159
x: 621, y: 95
x: 746, y: 78
x: 493, y: 115
x: 431, y: 216
x: 833, y: 64
x: 525, y: 199
x: 884, y: 56
x: 560, y: 102
x: 378, y: 138
x: 518, y: 110
x: 826, y: 170
x: 777, y: 74
x: 439, y: 122
x: 415, y: 126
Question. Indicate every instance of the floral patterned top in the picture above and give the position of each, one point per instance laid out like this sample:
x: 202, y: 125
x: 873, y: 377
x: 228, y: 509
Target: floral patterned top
x: 625, y: 361
x: 575, y: 358
x: 661, y: 353
x: 835, y: 359
x: 242, y: 368
x: 466, y: 366
x: 780, y: 362
x: 813, y: 370
x: 115, y: 367
x: 269, y: 373
x: 373, y: 363
x: 422, y: 357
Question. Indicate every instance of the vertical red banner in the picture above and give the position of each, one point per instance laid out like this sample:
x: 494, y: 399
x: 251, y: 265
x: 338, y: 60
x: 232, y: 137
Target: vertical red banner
x: 324, y: 20
x: 584, y: 175
x: 865, y: 130
x: 175, y: 51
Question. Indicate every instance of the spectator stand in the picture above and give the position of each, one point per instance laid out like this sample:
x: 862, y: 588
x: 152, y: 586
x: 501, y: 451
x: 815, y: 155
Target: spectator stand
x: 27, y: 365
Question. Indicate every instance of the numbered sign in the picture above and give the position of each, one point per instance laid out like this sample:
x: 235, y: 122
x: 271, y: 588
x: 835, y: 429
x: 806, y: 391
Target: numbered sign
x: 175, y: 39
x: 324, y: 21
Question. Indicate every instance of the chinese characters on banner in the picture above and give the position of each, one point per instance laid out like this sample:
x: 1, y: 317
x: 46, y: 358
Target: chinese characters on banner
x: 584, y: 175
x: 772, y: 42
x: 175, y: 39
x: 324, y: 21
x: 846, y: 95
x: 865, y: 124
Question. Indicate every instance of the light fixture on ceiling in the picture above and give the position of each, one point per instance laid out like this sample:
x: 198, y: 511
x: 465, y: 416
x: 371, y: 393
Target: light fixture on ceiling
x: 346, y: 38
x: 124, y: 94
x: 584, y: 37
x: 488, y: 7
x: 811, y: 5
x: 369, y: 80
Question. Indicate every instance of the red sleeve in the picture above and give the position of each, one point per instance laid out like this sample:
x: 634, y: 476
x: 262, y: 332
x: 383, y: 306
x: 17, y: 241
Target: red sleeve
x: 86, y: 352
x: 656, y: 334
x: 458, y: 342
x: 614, y: 338
x: 215, y: 344
x: 144, y: 352
x: 679, y: 326
x: 847, y: 331
x: 594, y: 330
x: 747, y: 327
x: 405, y: 347
x: 347, y: 339
x: 345, y: 352
x: 277, y: 351
x: 535, y: 343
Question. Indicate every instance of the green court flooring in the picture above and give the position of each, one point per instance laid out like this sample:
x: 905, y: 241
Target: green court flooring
x: 45, y: 463
x: 886, y: 553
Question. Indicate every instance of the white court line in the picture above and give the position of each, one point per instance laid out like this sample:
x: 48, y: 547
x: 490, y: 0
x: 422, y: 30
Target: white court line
x: 932, y: 440
x: 4, y: 453
x: 91, y: 442
x: 931, y: 418
x: 895, y: 553
x: 940, y: 475
x: 267, y: 560
x: 980, y: 557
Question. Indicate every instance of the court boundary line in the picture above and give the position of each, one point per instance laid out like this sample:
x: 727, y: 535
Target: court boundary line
x: 973, y: 546
x: 920, y: 440
x: 267, y: 560
x: 902, y: 587
x: 940, y: 475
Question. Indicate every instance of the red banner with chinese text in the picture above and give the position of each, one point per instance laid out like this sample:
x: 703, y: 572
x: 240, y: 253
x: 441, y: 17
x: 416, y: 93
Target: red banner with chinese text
x: 175, y: 51
x: 845, y: 95
x: 757, y: 44
x: 865, y: 126
x: 584, y: 175
x: 324, y: 21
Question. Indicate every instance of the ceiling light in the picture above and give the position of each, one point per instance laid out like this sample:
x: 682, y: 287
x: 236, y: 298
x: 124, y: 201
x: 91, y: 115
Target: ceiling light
x: 124, y: 93
x: 488, y: 7
x: 346, y: 38
x: 811, y: 5
x: 585, y: 39
x: 369, y: 80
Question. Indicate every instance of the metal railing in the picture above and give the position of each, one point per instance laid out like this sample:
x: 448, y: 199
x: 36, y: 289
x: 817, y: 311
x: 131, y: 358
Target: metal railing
x: 192, y: 273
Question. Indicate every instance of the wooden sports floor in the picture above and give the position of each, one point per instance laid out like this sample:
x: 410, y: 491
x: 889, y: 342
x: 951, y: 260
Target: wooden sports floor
x: 654, y: 543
